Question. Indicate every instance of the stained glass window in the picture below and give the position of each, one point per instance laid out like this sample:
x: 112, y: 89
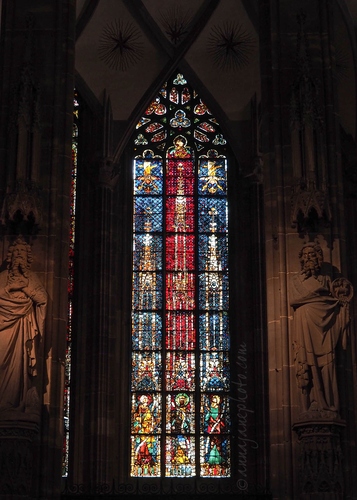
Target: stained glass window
x: 180, y: 378
x: 67, y: 384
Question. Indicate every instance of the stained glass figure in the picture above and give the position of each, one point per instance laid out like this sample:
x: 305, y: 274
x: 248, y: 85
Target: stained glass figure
x: 214, y: 413
x: 145, y: 452
x: 180, y: 456
x: 146, y: 420
x: 148, y: 173
x: 214, y: 371
x: 215, y: 451
x: 146, y: 409
x: 180, y: 378
x: 180, y: 413
x: 212, y: 174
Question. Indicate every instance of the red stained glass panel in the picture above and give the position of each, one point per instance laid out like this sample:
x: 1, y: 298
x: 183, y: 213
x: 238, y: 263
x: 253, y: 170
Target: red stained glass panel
x: 180, y: 252
x: 180, y: 291
x: 180, y: 214
x: 181, y: 330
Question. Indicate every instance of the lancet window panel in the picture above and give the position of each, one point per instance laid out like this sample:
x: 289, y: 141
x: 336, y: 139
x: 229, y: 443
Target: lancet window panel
x: 180, y: 378
x: 70, y: 287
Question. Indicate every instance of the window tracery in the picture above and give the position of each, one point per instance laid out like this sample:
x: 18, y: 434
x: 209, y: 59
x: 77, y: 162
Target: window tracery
x: 180, y: 379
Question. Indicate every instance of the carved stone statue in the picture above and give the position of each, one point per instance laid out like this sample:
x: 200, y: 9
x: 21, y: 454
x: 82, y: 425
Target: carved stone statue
x: 321, y: 321
x: 23, y: 302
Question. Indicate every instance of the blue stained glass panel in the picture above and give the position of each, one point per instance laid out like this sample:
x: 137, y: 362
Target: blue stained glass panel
x: 214, y: 371
x: 212, y: 211
x: 213, y: 328
x: 147, y: 291
x: 148, y: 176
x: 147, y: 369
x: 213, y: 291
x: 147, y: 331
x: 147, y: 252
x: 212, y: 177
x: 147, y: 214
x: 212, y: 253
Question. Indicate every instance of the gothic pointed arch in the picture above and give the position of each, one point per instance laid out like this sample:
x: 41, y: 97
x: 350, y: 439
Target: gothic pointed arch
x: 180, y: 379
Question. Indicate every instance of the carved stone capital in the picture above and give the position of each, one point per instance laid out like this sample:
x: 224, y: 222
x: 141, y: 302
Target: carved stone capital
x: 309, y: 206
x: 320, y: 455
x: 21, y: 211
x: 16, y: 458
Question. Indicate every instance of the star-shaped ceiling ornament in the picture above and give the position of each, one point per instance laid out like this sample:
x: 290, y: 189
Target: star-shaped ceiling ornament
x: 230, y: 46
x: 175, y: 23
x: 120, y: 46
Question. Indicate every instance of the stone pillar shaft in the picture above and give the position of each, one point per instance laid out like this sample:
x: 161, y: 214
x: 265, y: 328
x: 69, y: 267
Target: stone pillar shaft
x: 36, y: 103
x: 309, y: 152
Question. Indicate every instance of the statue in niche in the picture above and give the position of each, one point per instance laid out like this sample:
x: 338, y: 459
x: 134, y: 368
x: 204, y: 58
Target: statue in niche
x: 321, y: 320
x: 23, y: 302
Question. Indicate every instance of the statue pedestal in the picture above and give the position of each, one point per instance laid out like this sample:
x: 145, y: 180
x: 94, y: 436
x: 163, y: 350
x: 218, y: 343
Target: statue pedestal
x: 16, y: 458
x: 320, y: 455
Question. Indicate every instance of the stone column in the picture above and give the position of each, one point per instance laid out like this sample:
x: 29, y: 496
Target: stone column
x: 93, y: 429
x: 102, y: 425
x: 36, y: 110
x: 301, y: 178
